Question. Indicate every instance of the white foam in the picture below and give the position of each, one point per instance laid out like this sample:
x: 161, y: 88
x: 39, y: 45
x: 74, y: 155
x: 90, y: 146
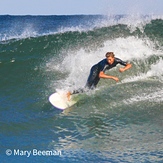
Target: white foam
x: 156, y: 70
x: 78, y: 63
x: 156, y: 96
x: 26, y: 33
x: 130, y: 48
x: 133, y: 22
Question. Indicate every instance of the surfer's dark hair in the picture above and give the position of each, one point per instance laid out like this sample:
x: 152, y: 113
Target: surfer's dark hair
x: 109, y: 54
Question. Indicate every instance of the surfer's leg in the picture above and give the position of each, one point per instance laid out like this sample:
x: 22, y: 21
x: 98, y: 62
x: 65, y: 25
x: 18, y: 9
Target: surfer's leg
x: 93, y: 78
x: 92, y: 81
x: 81, y: 90
x: 68, y: 95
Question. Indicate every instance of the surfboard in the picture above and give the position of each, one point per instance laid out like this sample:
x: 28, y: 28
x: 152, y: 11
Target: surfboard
x: 60, y: 101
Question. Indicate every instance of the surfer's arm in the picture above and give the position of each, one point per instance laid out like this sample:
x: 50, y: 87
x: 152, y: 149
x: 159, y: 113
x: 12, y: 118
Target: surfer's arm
x: 103, y: 75
x: 128, y: 66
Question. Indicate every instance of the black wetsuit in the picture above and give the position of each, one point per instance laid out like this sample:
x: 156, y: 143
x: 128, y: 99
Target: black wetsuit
x: 94, y: 78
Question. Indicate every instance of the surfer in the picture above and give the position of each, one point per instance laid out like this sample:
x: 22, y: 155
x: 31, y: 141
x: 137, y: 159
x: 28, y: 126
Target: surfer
x: 98, y: 71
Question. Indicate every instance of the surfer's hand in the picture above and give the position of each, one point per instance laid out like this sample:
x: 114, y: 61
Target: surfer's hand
x: 121, y: 70
x: 116, y: 79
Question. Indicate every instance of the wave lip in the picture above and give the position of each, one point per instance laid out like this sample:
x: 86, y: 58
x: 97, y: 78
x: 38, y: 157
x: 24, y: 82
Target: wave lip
x: 20, y: 27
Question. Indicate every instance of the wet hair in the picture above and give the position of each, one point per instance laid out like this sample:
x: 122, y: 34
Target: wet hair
x: 109, y: 54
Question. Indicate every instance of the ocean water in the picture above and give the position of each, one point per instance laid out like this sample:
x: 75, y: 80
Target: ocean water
x: 117, y: 122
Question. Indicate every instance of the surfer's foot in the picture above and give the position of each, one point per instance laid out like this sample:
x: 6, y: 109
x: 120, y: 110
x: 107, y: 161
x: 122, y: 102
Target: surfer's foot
x: 68, y: 95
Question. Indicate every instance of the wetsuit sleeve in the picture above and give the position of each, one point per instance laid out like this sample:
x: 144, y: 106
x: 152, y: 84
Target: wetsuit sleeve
x: 105, y: 68
x: 121, y: 62
x: 103, y: 65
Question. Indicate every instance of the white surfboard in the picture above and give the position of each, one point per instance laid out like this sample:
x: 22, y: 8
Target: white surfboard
x: 60, y: 101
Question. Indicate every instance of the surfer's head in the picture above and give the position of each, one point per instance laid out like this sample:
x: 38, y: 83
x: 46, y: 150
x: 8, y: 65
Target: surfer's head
x: 110, y: 57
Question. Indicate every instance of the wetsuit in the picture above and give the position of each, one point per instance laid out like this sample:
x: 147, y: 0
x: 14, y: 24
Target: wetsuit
x: 94, y: 78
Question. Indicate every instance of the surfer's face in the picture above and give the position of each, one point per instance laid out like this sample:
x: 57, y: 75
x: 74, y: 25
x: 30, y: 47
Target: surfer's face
x: 110, y: 60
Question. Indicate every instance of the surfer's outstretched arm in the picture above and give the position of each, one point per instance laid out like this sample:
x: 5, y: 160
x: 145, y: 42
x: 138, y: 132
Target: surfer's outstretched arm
x: 128, y: 66
x: 103, y: 75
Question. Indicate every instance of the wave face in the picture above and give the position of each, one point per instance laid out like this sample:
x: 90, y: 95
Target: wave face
x: 117, y: 121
